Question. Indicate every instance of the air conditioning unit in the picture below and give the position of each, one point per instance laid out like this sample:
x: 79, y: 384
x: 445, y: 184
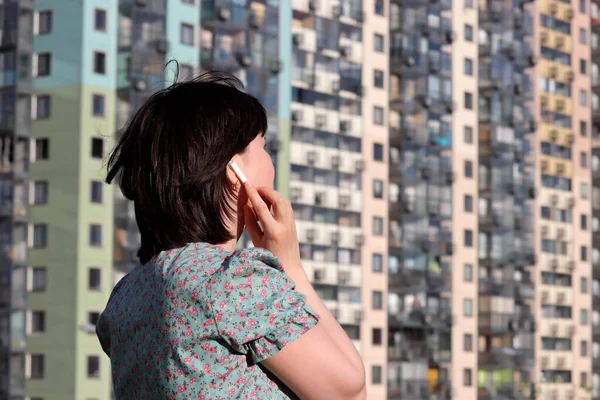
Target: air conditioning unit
x: 553, y: 72
x: 572, y: 329
x: 310, y: 79
x: 311, y: 234
x: 359, y: 240
x: 344, y: 201
x: 545, y: 296
x: 425, y: 101
x: 335, y: 238
x: 545, y: 362
x: 296, y: 193
x: 553, y: 8
x: 544, y: 37
x: 554, y: 329
x: 311, y: 157
x: 320, y: 198
x: 569, y: 13
x: 335, y: 162
x: 253, y: 21
x: 560, y: 299
x: 560, y: 105
x: 345, y: 126
x: 545, y: 165
x: 344, y: 277
x: 318, y: 275
x: 345, y: 51
x: 313, y: 5
x: 320, y: 120
x: 297, y: 115
x: 357, y: 316
x: 545, y: 231
x: 297, y: 39
x: 554, y: 135
x: 560, y: 42
x: 554, y: 199
x: 335, y: 86
x: 544, y: 101
x: 244, y: 59
x: 359, y: 165
x: 224, y: 14
x: 162, y: 46
x: 571, y: 266
x: 560, y: 233
x: 560, y: 362
x: 275, y: 66
x: 560, y: 169
x: 570, y: 76
x: 571, y: 202
x: 140, y: 85
x: 554, y: 264
x: 336, y: 11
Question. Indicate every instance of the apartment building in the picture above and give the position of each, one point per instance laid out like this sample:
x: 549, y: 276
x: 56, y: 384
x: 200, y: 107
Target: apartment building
x: 442, y: 158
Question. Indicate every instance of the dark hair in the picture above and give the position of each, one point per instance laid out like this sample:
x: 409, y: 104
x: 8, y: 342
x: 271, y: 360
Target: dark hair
x: 171, y: 160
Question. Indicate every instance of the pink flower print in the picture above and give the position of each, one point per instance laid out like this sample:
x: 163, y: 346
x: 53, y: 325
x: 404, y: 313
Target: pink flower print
x: 266, y: 280
x: 195, y: 278
x: 222, y: 304
x: 260, y: 306
x: 179, y: 371
x: 263, y: 292
x: 192, y: 380
x: 212, y: 270
x: 188, y: 360
x: 231, y: 391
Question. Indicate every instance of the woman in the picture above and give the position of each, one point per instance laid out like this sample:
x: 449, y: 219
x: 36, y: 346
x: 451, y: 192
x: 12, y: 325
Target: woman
x: 196, y: 319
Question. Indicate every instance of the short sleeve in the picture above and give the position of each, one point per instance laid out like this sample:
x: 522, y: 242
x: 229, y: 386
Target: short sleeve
x: 256, y: 309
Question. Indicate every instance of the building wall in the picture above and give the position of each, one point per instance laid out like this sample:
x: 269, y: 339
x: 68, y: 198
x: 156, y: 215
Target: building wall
x: 374, y: 355
x: 461, y: 152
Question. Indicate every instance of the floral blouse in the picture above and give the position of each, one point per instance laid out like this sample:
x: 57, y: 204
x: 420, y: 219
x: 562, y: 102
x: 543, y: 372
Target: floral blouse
x: 195, y: 322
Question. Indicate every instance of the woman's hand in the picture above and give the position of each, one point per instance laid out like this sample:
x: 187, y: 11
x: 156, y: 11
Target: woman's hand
x: 278, y: 234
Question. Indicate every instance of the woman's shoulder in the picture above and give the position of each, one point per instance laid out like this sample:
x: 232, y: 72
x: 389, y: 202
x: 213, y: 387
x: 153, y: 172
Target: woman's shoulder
x: 202, y: 261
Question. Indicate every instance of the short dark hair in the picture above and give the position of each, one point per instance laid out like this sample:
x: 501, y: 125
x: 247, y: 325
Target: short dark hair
x: 171, y: 160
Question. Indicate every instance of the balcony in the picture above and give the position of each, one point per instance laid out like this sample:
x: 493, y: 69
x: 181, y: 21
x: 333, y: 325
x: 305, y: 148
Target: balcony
x: 492, y: 287
x: 407, y: 388
x: 493, y: 323
x: 408, y: 351
x: 498, y: 357
x: 227, y: 16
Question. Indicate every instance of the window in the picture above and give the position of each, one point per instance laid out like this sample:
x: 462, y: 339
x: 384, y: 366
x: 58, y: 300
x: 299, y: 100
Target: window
x: 376, y: 374
x: 378, y: 78
x: 377, y: 115
x: 468, y: 307
x: 98, y: 105
x: 583, y: 222
x: 378, y: 43
x: 584, y: 316
x: 97, y: 148
x: 95, y: 235
x: 468, y: 3
x: 468, y: 134
x: 44, y: 64
x: 377, y: 300
x: 187, y: 34
x: 583, y: 128
x: 378, y: 188
x: 100, y: 20
x: 584, y: 253
x: 583, y: 190
x: 582, y: 98
x: 583, y: 159
x: 582, y: 5
x: 185, y: 72
x: 37, y: 366
x: 583, y: 380
x: 468, y: 272
x: 38, y: 321
x: 468, y: 169
x: 40, y: 235
x: 468, y: 238
x: 93, y: 367
x: 40, y: 192
x: 582, y: 36
x: 379, y: 7
x: 96, y: 192
x: 377, y: 152
x: 377, y: 261
x: 467, y: 377
x: 468, y: 342
x: 468, y: 203
x: 41, y: 149
x: 42, y: 107
x: 44, y: 22
x: 584, y: 348
x: 468, y: 101
x: 99, y: 62
x: 583, y: 284
x: 468, y: 66
x: 93, y: 318
x: 582, y: 67
x: 468, y: 33
x: 376, y: 336
x: 377, y: 226
x: 95, y: 279
x: 38, y: 281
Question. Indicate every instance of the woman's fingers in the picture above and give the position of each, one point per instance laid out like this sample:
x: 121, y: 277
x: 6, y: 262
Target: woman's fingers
x: 261, y: 209
x: 252, y: 225
x: 281, y: 206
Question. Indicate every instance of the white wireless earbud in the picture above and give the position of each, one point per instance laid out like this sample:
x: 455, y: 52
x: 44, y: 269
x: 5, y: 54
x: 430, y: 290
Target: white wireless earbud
x: 237, y: 171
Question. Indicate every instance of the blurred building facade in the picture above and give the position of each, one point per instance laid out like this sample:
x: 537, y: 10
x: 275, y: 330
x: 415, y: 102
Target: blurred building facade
x: 442, y: 158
